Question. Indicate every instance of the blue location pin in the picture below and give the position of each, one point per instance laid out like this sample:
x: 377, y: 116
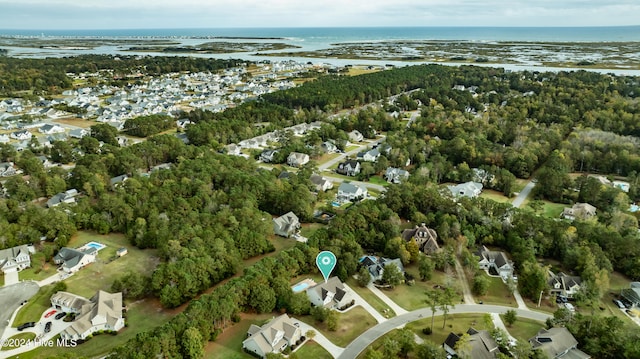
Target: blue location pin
x: 326, y: 261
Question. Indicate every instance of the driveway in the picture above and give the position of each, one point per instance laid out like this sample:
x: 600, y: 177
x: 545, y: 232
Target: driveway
x: 364, y: 304
x: 365, y: 339
x: 10, y: 298
x: 395, y: 307
x: 333, y: 349
x: 517, y: 202
x: 11, y: 278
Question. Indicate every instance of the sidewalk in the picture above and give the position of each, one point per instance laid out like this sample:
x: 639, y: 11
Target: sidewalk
x: 519, y: 300
x: 364, y: 304
x: 396, y: 308
x: 333, y: 349
x: 498, y: 323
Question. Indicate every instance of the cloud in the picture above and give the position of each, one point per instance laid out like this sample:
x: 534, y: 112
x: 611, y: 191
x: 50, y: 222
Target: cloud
x: 74, y: 14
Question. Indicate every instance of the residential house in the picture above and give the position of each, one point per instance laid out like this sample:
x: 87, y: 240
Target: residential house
x: 182, y: 123
x: 355, y: 136
x: 557, y: 343
x: 332, y: 294
x: 7, y: 169
x: 467, y: 189
x: 395, y: 175
x: 285, y: 175
x: 286, y: 225
x: 45, y: 161
x: 267, y: 156
x: 351, y: 192
x: 273, y: 337
x: 371, y: 155
x: 78, y: 133
x: 622, y: 185
x: 376, y: 265
x: 349, y: 168
x: 103, y: 312
x: 232, y: 149
x: 68, y: 302
x: 49, y: 129
x: 118, y: 180
x: 16, y: 259
x: 426, y: 238
x: 297, y: 159
x: 4, y: 138
x: 632, y: 294
x: 329, y: 147
x: 72, y: 260
x: 68, y: 196
x: 579, y: 211
x: 21, y: 135
x: 563, y: 284
x: 321, y: 184
x: 495, y: 263
x: 481, y: 345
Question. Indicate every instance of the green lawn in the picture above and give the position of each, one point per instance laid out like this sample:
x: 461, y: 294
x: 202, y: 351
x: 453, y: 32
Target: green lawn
x: 372, y: 299
x: 307, y: 229
x: 39, y: 269
x: 228, y: 345
x: 378, y: 180
x: 142, y: 316
x: 413, y: 297
x: 498, y: 293
x: 313, y: 350
x: 524, y: 329
x: 553, y: 210
x: 350, y: 325
x: 32, y: 311
x: 18, y: 339
x: 102, y: 273
x: 494, y: 195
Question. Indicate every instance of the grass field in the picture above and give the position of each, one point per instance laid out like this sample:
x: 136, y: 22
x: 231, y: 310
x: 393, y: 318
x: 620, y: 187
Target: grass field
x: 552, y: 210
x: 18, y: 339
x: 313, y: 350
x: 378, y: 180
x: 413, y: 297
x: 102, y: 273
x: 524, y: 329
x: 39, y: 269
x: 141, y: 316
x: 350, y: 325
x: 307, y: 229
x: 498, y: 293
x: 495, y: 195
x: 372, y: 299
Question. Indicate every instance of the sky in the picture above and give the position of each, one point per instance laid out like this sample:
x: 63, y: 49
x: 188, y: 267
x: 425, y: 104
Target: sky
x: 153, y: 14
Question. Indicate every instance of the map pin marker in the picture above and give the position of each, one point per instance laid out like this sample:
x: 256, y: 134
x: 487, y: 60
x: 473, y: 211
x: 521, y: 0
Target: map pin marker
x: 326, y: 261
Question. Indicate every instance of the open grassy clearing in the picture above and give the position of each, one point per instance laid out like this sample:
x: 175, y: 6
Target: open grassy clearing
x: 371, y: 298
x: 141, y: 316
x: 32, y: 311
x: 412, y: 297
x: 307, y: 229
x: 313, y: 350
x: 495, y: 196
x: 524, y: 329
x: 497, y: 294
x: 350, y: 325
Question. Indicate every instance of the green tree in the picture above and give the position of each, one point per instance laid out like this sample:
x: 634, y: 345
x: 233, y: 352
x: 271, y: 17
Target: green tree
x: 392, y: 275
x: 364, y: 277
x: 425, y: 268
x: 510, y: 317
x: 447, y: 303
x: 105, y: 133
x: 533, y: 280
x: 192, y: 343
x: 332, y: 320
x: 481, y: 283
x: 463, y: 347
x: 433, y: 301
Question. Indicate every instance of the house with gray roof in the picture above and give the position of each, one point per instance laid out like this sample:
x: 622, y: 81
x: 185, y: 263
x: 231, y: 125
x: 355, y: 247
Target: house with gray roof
x: 495, y: 262
x: 333, y: 294
x: 68, y: 302
x: 16, y: 259
x: 286, y: 225
x: 557, y: 343
x: 371, y: 155
x: 376, y: 265
x: 632, y: 294
x: 351, y: 192
x: 579, y: 211
x: 7, y: 169
x: 467, y: 189
x: 481, y: 345
x: 103, y: 312
x: 273, y: 337
x: 426, y: 238
x: 118, y: 180
x: 68, y: 196
x: 355, y: 136
x: 267, y: 155
x: 321, y: 184
x: 349, y: 168
x: 564, y: 285
x: 49, y: 129
x: 297, y: 159
x: 396, y: 175
x: 78, y: 133
x: 72, y: 260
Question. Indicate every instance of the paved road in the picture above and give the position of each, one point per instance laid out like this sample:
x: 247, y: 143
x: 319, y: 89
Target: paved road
x: 353, y: 152
x: 517, y: 202
x: 10, y: 299
x: 365, y: 339
x: 383, y: 297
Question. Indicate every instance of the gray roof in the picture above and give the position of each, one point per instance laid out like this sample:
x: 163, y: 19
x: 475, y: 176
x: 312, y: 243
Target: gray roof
x: 557, y: 343
x: 70, y: 257
x: 348, y: 187
x: 565, y: 281
x: 333, y: 285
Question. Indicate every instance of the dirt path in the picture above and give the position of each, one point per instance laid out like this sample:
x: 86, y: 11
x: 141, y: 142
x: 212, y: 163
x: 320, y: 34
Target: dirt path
x: 466, y: 291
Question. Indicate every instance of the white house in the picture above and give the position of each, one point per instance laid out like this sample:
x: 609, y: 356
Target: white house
x: 376, y: 265
x: 297, y: 159
x: 370, y: 155
x: 396, y: 175
x: 580, y: 211
x: 102, y: 312
x: 72, y: 260
x: 21, y: 135
x: 49, y: 129
x: 286, y: 225
x: 351, y: 192
x: 78, y: 133
x: 7, y: 169
x: 564, y: 285
x: 333, y: 294
x: 273, y: 337
x: 68, y: 196
x: 68, y: 302
x: 16, y: 259
x: 467, y: 189
x: 495, y: 262
x: 355, y: 136
x: 349, y: 168
x: 322, y: 184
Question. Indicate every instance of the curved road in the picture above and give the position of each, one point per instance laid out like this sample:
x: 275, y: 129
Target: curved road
x: 365, y: 339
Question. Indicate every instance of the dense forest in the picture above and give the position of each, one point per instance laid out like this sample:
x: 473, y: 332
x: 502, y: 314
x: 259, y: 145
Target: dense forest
x: 210, y: 211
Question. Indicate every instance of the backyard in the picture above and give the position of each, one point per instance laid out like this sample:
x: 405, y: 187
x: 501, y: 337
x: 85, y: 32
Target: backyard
x: 228, y: 345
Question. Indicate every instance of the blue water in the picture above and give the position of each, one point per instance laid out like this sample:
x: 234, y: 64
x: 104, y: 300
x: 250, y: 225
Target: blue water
x: 300, y: 287
x: 348, y: 34
x: 95, y: 245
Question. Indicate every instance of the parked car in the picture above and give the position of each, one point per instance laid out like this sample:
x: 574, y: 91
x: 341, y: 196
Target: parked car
x: 619, y: 304
x: 561, y: 299
x: 47, y: 327
x: 50, y: 313
x: 26, y: 325
x: 60, y: 315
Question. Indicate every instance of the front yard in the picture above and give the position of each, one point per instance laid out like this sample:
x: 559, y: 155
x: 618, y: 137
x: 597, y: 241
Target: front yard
x: 412, y: 297
x: 497, y: 294
x: 350, y: 325
x: 371, y: 298
x: 524, y: 329
x: 313, y: 350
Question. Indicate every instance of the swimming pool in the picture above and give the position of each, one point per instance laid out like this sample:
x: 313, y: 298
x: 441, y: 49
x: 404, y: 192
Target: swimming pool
x: 300, y: 287
x: 95, y: 245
